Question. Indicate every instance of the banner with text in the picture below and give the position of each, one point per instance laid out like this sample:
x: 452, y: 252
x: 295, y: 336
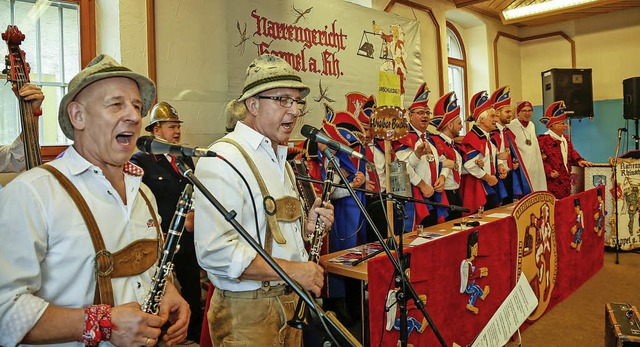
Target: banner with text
x: 336, y: 46
x: 627, y: 203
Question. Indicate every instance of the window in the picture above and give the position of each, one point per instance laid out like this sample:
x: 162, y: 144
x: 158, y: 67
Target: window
x: 52, y: 48
x: 457, y: 65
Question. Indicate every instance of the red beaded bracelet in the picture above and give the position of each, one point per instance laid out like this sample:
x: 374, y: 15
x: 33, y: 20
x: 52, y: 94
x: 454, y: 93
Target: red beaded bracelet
x: 38, y: 113
x: 98, y: 326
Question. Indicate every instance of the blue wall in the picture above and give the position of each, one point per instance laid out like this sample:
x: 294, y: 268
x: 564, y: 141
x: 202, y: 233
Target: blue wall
x: 596, y: 139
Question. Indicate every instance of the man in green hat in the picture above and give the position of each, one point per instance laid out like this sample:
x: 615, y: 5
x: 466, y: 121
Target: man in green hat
x: 251, y: 303
x: 85, y: 218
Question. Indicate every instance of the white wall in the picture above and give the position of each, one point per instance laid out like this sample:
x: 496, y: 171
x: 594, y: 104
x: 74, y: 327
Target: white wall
x: 191, y: 60
x: 607, y: 43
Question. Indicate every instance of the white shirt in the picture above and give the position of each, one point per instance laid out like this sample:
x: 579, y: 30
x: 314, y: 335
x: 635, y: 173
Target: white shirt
x: 12, y: 157
x: 46, y: 253
x: 530, y: 153
x: 489, y: 160
x: 221, y: 251
x: 418, y: 168
x: 503, y: 146
x: 564, y: 147
x: 450, y: 181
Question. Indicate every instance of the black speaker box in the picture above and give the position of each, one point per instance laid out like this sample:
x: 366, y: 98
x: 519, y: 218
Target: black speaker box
x: 571, y: 85
x: 631, y: 98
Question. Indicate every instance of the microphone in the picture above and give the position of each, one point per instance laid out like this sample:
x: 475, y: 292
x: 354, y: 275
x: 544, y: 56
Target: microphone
x: 314, y: 135
x: 152, y: 145
x: 620, y: 130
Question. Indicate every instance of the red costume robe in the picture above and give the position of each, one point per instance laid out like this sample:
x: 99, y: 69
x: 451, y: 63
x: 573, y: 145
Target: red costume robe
x: 560, y: 186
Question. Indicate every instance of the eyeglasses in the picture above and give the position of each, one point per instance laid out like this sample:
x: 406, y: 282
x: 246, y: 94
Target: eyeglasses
x: 285, y: 101
x: 527, y: 111
x: 422, y: 112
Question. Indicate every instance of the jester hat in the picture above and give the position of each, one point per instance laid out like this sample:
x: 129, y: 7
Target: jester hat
x: 445, y: 110
x: 501, y: 98
x: 422, y: 97
x: 342, y: 126
x: 554, y: 114
x: 479, y: 103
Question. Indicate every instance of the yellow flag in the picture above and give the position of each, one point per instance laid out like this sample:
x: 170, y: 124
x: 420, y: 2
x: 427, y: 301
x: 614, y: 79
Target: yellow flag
x: 389, y: 89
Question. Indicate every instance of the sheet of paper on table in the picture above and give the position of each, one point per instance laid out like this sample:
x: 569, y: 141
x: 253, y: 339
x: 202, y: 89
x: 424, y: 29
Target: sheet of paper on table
x: 498, y: 215
x: 510, y: 315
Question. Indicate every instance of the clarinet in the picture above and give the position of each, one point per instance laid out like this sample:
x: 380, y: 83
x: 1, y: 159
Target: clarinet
x: 300, y: 314
x: 165, y: 263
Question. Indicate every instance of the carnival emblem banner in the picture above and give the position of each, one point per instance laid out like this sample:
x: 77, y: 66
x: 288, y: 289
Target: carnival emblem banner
x: 627, y: 203
x: 537, y: 253
x: 336, y: 46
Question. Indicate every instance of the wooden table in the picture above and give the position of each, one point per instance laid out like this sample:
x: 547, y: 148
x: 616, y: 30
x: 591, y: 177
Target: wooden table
x: 360, y: 271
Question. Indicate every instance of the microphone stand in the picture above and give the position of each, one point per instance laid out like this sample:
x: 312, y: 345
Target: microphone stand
x: 230, y: 216
x: 401, y: 277
x: 615, y: 187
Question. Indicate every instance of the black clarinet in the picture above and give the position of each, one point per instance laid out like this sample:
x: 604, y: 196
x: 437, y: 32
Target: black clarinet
x: 299, y: 316
x: 165, y: 263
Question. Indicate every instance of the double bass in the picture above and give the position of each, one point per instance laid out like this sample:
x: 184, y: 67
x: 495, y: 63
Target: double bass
x: 17, y: 71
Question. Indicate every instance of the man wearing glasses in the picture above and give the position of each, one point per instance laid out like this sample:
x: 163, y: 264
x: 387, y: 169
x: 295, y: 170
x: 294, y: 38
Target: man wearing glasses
x: 527, y: 142
x: 423, y: 163
x: 557, y: 152
x: 251, y: 303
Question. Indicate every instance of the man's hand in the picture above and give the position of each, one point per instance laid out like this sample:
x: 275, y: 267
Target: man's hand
x: 439, y: 185
x: 584, y: 163
x: 425, y: 189
x: 189, y: 222
x: 421, y: 149
x: 503, y: 155
x: 480, y: 163
x: 370, y: 185
x: 358, y: 180
x: 174, y: 309
x: 308, y: 274
x: 502, y: 171
x: 325, y: 213
x: 30, y: 92
x: 490, y: 179
x: 449, y: 164
x: 134, y: 327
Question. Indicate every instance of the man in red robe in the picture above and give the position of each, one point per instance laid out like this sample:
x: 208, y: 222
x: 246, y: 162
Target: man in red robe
x: 423, y: 164
x: 480, y: 185
x: 446, y: 119
x: 516, y: 181
x: 558, y: 154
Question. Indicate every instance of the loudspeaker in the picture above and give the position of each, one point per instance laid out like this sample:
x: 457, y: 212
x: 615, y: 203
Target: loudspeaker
x: 631, y: 98
x: 571, y: 85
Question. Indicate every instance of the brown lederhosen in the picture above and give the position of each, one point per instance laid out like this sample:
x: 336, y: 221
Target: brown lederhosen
x: 132, y: 260
x: 286, y: 209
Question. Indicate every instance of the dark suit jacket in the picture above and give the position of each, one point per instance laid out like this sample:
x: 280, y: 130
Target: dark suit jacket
x: 167, y: 185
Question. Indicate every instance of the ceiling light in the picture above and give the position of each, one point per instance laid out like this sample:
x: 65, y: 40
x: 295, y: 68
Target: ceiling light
x: 543, y: 7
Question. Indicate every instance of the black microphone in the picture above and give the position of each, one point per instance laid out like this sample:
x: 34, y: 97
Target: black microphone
x: 315, y: 135
x: 620, y: 130
x: 152, y: 145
